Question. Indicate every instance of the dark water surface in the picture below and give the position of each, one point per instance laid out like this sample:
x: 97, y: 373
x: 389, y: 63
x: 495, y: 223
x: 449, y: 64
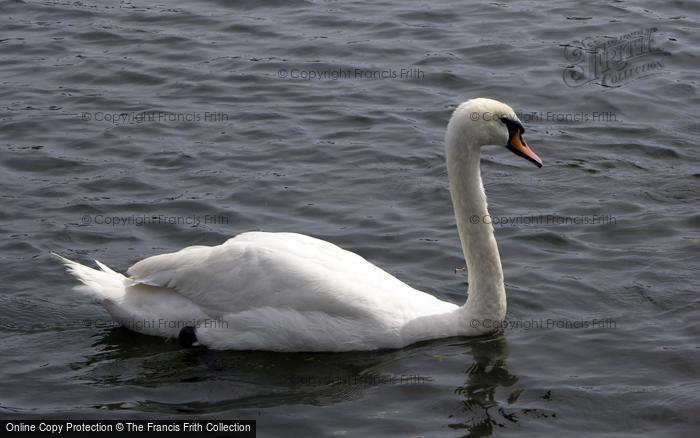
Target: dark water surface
x: 354, y: 155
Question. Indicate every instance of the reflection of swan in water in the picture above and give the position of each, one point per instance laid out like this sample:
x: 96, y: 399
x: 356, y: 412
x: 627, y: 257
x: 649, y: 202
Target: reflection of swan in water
x: 166, y: 380
x: 486, y: 374
x: 482, y: 409
x: 201, y: 380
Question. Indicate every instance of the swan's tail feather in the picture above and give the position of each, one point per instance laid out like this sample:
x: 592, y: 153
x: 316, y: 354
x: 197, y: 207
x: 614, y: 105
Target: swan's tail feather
x: 104, y: 284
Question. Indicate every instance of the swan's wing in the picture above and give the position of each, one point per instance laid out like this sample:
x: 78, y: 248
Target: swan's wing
x: 279, y: 270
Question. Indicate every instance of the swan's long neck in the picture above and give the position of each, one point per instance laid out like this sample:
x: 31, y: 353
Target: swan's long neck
x: 487, y: 296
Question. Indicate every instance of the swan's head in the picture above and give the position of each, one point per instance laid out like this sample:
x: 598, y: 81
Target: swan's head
x: 480, y: 122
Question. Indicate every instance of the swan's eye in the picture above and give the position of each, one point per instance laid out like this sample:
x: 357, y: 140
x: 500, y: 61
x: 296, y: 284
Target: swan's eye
x: 512, y: 125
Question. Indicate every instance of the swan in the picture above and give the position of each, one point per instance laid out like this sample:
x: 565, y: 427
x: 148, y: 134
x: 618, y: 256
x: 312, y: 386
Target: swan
x: 290, y: 292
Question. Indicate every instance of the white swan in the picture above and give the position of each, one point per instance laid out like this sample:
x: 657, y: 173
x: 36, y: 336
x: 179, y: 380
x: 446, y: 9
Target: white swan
x: 290, y: 292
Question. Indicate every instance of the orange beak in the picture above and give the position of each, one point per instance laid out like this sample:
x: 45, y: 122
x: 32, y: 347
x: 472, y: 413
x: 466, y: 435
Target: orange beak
x: 517, y: 145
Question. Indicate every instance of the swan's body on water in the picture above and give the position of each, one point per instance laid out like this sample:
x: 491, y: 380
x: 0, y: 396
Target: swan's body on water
x: 291, y: 292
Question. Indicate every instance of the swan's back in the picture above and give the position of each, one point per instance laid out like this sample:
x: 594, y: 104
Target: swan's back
x: 285, y: 271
